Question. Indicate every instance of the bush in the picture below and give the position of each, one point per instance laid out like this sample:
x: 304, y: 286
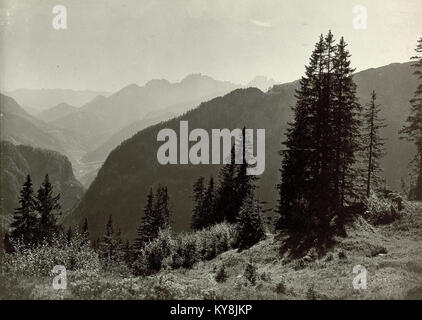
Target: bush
x: 280, y: 288
x: 382, y: 210
x: 221, y: 275
x: 151, y: 257
x: 40, y: 260
x: 184, y: 250
x: 250, y: 273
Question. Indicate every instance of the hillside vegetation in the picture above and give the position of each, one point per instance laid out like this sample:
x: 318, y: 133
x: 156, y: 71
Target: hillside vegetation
x: 391, y: 254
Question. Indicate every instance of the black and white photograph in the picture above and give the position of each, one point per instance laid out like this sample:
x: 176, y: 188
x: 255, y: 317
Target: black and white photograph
x: 211, y: 150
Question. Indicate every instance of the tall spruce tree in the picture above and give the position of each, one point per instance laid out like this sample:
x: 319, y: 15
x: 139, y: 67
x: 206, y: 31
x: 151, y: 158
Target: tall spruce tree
x: 209, y: 216
x: 250, y: 227
x: 85, y: 232
x: 322, y: 141
x: 346, y: 127
x: 156, y: 217
x: 372, y: 142
x: 111, y: 249
x: 144, y: 230
x: 48, y: 207
x: 412, y: 130
x: 226, y: 206
x: 244, y: 184
x: 24, y: 224
x: 198, y: 198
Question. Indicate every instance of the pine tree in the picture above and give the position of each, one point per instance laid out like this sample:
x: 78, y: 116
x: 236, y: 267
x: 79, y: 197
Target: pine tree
x: 346, y: 126
x: 226, y: 206
x: 111, y: 245
x: 143, y: 231
x: 318, y: 163
x: 209, y: 217
x: 372, y: 142
x: 412, y: 130
x: 85, y: 232
x: 198, y: 198
x: 24, y: 224
x: 244, y: 184
x: 250, y: 227
x: 48, y: 207
x: 161, y: 208
x: 156, y: 217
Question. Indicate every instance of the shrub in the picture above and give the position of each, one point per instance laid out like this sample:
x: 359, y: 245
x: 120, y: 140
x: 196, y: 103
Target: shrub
x: 342, y: 255
x: 221, y: 275
x: 151, y: 257
x: 40, y: 260
x: 382, y: 210
x: 280, y: 288
x: 250, y: 273
x: 184, y: 250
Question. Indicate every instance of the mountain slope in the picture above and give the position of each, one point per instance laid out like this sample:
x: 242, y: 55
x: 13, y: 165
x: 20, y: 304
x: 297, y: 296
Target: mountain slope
x: 132, y: 168
x: 56, y: 112
x: 19, y: 127
x: 18, y: 161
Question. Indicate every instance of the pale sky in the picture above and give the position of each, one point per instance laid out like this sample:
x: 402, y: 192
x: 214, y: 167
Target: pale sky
x: 109, y: 44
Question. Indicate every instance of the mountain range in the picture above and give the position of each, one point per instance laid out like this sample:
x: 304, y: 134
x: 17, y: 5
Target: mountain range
x: 35, y: 101
x: 123, y: 181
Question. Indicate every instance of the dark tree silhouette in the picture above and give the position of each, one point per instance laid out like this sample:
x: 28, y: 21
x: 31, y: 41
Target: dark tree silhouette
x: 412, y: 130
x: 318, y: 163
x: 372, y: 142
x: 48, y: 207
x: 24, y: 224
x: 111, y: 246
x: 250, y: 225
x: 156, y: 217
x: 198, y: 198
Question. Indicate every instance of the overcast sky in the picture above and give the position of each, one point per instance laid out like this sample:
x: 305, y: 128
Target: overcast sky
x: 109, y: 43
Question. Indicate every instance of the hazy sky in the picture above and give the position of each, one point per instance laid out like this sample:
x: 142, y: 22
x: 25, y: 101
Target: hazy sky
x: 109, y: 43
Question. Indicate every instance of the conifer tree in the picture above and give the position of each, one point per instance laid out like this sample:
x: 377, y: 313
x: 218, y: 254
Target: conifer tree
x: 24, y: 224
x: 250, y: 226
x: 209, y: 217
x: 48, y: 207
x: 111, y: 245
x: 198, y: 198
x: 156, y: 217
x: 226, y: 193
x: 372, y: 142
x: 85, y: 232
x: 143, y: 231
x: 244, y: 184
x: 412, y: 130
x: 322, y: 141
x: 346, y: 127
x: 161, y: 208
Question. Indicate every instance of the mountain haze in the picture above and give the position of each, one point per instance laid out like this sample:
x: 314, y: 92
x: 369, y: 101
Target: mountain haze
x: 56, y: 112
x: 99, y: 119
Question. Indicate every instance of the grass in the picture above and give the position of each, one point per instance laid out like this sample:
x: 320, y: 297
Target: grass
x: 391, y: 254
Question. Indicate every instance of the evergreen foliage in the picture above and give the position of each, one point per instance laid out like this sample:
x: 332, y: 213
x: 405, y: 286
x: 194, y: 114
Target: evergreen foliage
x: 318, y: 166
x: 412, y: 130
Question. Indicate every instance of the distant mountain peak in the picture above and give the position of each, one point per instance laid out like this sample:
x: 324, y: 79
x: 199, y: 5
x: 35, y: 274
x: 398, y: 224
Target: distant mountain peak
x: 262, y: 82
